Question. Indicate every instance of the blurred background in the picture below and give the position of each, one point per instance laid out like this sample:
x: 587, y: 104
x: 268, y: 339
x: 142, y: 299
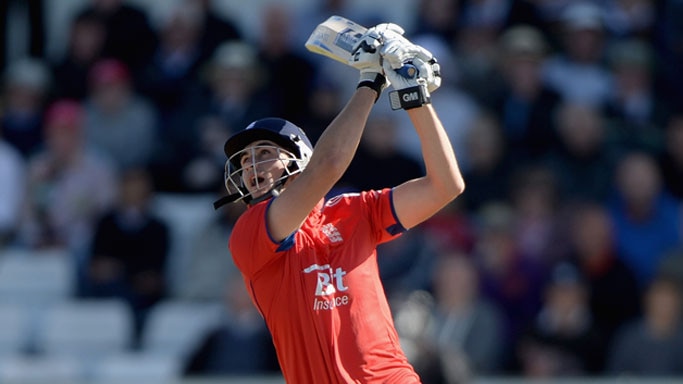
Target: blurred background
x: 562, y: 261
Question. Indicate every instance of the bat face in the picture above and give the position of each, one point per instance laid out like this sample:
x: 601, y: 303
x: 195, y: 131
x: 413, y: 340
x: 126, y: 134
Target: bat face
x: 347, y: 39
x: 335, y: 38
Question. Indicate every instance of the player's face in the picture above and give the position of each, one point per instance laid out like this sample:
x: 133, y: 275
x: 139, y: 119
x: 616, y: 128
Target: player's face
x: 263, y: 163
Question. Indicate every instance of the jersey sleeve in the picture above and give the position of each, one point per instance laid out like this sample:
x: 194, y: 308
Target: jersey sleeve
x: 251, y: 246
x: 381, y: 214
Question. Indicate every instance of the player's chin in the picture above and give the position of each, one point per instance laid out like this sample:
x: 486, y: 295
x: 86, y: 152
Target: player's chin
x: 258, y: 192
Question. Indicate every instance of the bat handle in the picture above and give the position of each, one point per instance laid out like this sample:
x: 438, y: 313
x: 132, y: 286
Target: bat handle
x: 408, y: 71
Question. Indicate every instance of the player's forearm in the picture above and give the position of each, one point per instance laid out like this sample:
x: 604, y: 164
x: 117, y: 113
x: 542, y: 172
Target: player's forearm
x: 441, y: 165
x: 337, y: 145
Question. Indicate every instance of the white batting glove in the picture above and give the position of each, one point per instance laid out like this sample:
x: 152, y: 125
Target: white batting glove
x: 398, y: 54
x: 414, y: 79
x: 366, y: 58
x: 389, y: 31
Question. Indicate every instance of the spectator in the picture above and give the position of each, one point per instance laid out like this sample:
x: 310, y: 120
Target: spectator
x: 647, y: 220
x: 524, y: 104
x: 129, y: 36
x: 232, y: 98
x: 578, y: 73
x: 475, y: 45
x: 463, y: 330
x: 635, y: 111
x: 452, y: 228
x: 240, y: 345
x: 563, y: 340
x: 216, y: 28
x: 490, y: 14
x: 23, y: 24
x: 631, y: 18
x: 25, y: 91
x: 114, y: 114
x: 171, y: 76
x: 323, y: 105
x: 379, y: 147
x: 85, y: 45
x: 611, y: 285
x: 439, y: 18
x: 69, y: 186
x: 489, y: 164
x: 12, y: 191
x: 291, y: 75
x: 583, y: 160
x: 535, y: 201
x: 510, y: 279
x: 668, y: 42
x: 652, y: 345
x: 405, y: 265
x: 129, y: 251
x: 672, y: 265
x: 671, y: 158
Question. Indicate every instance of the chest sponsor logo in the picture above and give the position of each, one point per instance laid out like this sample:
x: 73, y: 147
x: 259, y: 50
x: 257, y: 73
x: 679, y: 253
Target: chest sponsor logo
x: 330, y: 288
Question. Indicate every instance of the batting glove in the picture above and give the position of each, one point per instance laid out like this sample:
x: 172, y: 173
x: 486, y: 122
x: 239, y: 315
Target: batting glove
x: 366, y: 57
x: 414, y: 78
x: 399, y: 55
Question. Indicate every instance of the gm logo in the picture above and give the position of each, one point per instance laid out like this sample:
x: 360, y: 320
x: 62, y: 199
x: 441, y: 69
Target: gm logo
x: 411, y: 96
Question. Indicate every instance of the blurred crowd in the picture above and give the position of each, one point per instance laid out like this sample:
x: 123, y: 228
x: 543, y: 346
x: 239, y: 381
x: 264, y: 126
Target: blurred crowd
x: 564, y: 256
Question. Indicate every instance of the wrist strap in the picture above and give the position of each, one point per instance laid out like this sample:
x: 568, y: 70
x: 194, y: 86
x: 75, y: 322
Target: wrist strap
x: 375, y: 81
x: 411, y: 97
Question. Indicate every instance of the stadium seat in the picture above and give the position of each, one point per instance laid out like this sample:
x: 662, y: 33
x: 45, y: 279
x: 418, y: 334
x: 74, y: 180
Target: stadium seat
x: 36, y: 277
x: 136, y: 368
x: 185, y: 215
x: 40, y: 369
x: 15, y: 329
x: 87, y: 329
x: 175, y: 327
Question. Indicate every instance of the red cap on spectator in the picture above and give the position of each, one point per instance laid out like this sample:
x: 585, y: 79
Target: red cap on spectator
x: 109, y: 71
x: 64, y: 114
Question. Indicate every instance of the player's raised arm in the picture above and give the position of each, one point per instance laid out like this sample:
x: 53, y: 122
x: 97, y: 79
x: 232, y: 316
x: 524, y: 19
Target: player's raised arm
x: 418, y: 199
x: 335, y: 148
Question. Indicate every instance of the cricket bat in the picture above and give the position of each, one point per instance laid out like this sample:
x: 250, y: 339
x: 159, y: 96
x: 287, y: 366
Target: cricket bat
x: 335, y: 38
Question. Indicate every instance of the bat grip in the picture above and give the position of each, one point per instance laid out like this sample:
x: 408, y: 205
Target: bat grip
x: 408, y: 71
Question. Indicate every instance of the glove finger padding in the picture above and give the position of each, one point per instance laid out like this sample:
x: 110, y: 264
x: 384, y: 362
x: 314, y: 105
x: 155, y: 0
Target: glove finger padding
x: 413, y: 82
x: 431, y: 71
x: 388, y: 29
x: 398, y: 51
x: 430, y: 67
x: 365, y: 55
x: 397, y: 54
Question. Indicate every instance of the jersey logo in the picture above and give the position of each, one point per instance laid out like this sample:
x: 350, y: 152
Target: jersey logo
x: 332, y: 233
x: 329, y: 282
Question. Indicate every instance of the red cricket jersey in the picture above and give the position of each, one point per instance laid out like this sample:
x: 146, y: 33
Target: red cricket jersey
x: 320, y: 293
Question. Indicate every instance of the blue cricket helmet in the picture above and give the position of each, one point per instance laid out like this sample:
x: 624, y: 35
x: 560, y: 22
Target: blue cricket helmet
x: 283, y: 133
x: 279, y: 131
